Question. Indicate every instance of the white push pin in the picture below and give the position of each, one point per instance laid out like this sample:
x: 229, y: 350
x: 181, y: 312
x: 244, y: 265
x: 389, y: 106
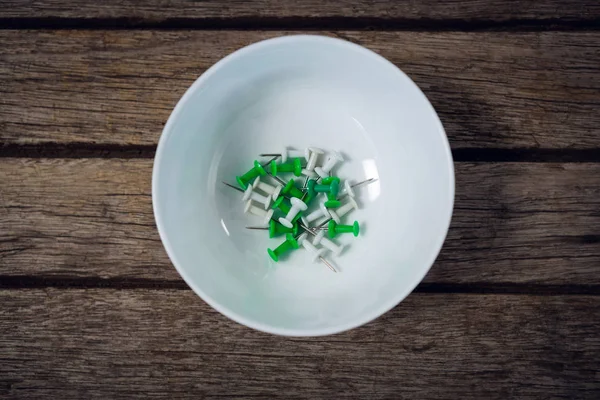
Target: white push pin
x: 309, y: 174
x: 329, y: 164
x: 250, y: 194
x: 320, y: 238
x: 314, y: 156
x: 312, y: 249
x: 252, y: 209
x: 321, y: 212
x: 297, y: 206
x: 343, y: 210
x: 347, y: 191
x: 271, y: 190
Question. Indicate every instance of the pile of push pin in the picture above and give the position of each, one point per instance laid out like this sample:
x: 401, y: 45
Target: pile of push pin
x: 296, y: 211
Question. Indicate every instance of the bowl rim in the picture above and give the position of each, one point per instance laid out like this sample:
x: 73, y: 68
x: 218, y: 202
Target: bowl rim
x: 241, y: 319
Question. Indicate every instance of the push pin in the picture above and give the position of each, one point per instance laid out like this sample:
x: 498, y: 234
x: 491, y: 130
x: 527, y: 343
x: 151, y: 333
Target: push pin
x: 334, y: 229
x: 311, y: 248
x: 328, y: 179
x: 329, y: 164
x: 324, y: 261
x: 291, y: 190
x: 288, y: 153
x: 252, y: 209
x: 289, y: 245
x: 348, y: 188
x: 320, y: 238
x: 343, y: 210
x: 347, y: 191
x: 282, y: 204
x: 276, y: 229
x: 250, y: 194
x: 297, y: 206
x: 258, y: 170
x: 295, y: 167
x: 313, y: 216
x: 267, y: 188
x: 309, y: 174
x: 312, y: 160
x: 331, y: 190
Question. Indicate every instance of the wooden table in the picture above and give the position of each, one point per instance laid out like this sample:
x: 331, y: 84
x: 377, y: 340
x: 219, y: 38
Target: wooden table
x: 90, y: 306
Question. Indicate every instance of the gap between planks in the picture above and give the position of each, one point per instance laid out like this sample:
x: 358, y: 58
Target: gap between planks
x: 307, y: 24
x: 65, y: 282
x: 114, y: 151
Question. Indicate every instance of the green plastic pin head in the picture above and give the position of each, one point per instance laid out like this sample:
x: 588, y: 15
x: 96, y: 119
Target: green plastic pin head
x: 295, y: 229
x: 331, y: 229
x: 328, y: 179
x: 272, y: 229
x: 292, y: 241
x: 297, y: 167
x: 334, y: 187
x: 277, y: 202
x: 333, y: 203
x: 310, y: 188
x: 241, y: 182
x: 259, y: 168
x: 273, y: 168
x: 282, y: 204
x: 272, y: 254
x: 355, y: 229
x: 288, y: 187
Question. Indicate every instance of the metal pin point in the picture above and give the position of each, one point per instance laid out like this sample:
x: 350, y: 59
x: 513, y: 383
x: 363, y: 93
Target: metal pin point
x: 366, y: 181
x: 324, y: 261
x: 233, y: 187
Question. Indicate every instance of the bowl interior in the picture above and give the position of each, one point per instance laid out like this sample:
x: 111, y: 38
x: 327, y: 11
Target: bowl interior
x: 296, y: 92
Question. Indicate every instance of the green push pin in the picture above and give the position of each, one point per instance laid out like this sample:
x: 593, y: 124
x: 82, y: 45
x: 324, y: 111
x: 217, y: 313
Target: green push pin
x: 276, y: 229
x: 295, y: 167
x: 332, y: 188
x: 332, y: 203
x: 310, y: 188
x: 334, y: 229
x: 291, y: 190
x: 282, y: 204
x: 249, y: 176
x: 308, y: 198
x: 289, y: 245
x: 328, y: 179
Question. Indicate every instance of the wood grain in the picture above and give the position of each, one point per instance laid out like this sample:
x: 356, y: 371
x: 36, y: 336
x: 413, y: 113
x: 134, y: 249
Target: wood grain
x: 513, y: 222
x: 491, y: 90
x: 428, y: 9
x: 169, y: 344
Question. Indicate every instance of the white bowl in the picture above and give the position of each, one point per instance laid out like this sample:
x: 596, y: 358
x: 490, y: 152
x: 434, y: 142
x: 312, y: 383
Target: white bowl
x: 303, y: 91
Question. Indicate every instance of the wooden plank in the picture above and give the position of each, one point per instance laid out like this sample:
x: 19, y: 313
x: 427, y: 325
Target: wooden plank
x: 491, y: 90
x: 491, y: 10
x: 513, y: 222
x: 169, y: 344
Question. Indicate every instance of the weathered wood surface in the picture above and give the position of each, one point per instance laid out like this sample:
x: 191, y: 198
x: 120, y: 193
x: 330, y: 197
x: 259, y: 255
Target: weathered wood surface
x: 491, y: 10
x: 513, y: 222
x: 113, y: 344
x: 491, y: 90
